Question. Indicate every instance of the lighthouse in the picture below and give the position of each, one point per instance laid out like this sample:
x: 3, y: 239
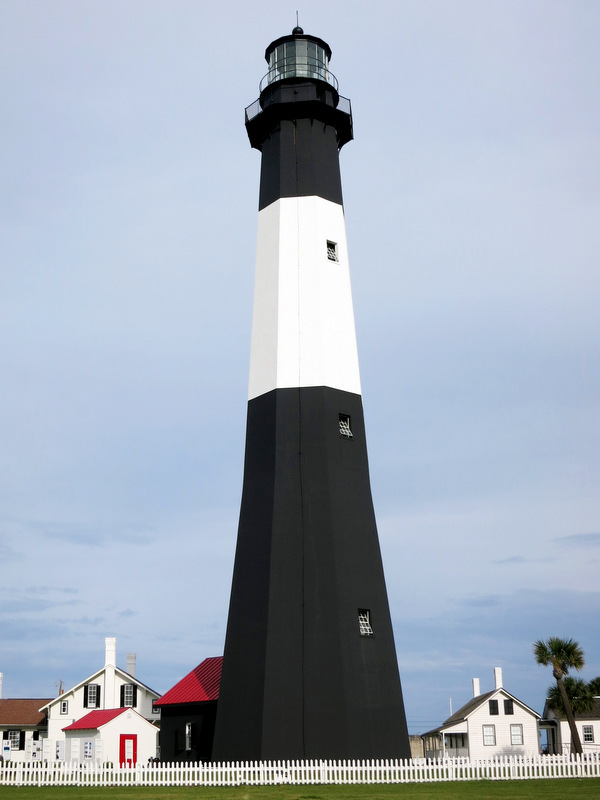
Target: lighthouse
x: 310, y: 667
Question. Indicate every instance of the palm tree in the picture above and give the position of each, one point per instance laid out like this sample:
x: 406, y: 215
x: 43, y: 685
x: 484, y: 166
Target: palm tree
x: 579, y: 693
x: 563, y: 655
x: 594, y: 686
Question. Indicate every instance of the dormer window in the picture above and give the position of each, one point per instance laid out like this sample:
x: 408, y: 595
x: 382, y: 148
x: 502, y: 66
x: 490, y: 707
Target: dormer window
x: 64, y: 706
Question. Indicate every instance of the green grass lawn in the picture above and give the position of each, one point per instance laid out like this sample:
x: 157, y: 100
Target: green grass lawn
x: 550, y: 789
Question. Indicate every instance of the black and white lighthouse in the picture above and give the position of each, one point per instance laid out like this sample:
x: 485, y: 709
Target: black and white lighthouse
x: 310, y: 667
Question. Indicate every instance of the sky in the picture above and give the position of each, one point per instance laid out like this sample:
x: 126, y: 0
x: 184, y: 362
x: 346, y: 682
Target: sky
x: 127, y: 241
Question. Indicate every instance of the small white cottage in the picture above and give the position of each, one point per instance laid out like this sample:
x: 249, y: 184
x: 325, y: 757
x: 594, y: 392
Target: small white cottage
x: 489, y: 725
x: 117, y: 735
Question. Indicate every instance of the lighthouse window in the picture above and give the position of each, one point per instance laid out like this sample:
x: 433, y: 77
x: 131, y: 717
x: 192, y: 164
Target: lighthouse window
x: 345, y: 430
x: 364, y: 622
x: 332, y: 251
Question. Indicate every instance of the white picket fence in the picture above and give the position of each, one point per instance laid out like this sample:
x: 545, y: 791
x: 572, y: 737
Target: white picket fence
x: 299, y: 772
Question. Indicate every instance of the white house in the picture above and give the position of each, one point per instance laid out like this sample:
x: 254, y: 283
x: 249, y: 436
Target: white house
x: 107, y: 689
x: 490, y: 724
x: 559, y: 733
x: 119, y: 735
x: 22, y: 728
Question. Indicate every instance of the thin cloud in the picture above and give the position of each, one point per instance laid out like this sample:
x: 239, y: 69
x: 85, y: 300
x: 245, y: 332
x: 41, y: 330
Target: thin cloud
x: 523, y: 560
x: 580, y: 540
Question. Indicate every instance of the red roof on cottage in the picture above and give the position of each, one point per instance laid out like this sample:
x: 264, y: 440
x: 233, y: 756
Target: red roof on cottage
x: 22, y: 712
x: 198, y: 686
x: 95, y: 719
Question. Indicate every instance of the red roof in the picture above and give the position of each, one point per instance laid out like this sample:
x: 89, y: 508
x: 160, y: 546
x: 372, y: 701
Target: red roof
x: 198, y: 686
x: 95, y: 719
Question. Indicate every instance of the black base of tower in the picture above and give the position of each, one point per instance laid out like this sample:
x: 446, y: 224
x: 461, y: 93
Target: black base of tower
x: 299, y: 680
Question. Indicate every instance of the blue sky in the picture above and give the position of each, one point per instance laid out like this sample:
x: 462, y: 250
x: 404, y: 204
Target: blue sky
x: 127, y: 240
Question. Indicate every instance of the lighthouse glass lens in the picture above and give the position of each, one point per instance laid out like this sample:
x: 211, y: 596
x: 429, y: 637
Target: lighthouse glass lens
x: 299, y: 58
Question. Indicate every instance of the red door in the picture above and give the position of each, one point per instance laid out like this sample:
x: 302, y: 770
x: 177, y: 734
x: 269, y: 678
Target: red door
x: 128, y: 749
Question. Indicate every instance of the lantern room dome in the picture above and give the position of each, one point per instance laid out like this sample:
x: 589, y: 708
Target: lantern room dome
x: 298, y: 56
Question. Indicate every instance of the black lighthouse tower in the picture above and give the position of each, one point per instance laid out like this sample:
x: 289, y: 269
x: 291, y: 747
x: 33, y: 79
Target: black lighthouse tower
x: 310, y: 668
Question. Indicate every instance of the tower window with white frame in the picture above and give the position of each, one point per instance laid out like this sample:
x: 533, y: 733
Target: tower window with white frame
x: 345, y: 429
x: 364, y: 622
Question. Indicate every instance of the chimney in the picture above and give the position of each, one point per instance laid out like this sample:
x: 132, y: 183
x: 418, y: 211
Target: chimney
x: 110, y: 644
x: 476, y: 689
x: 131, y: 664
x: 110, y: 665
x: 498, y: 677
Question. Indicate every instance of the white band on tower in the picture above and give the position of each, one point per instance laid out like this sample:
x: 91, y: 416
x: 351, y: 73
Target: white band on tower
x: 303, y: 331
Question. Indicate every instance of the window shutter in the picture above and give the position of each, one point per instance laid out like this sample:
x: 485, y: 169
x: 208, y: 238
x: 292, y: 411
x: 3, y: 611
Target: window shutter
x: 98, y: 703
x: 21, y: 740
x: 122, y: 696
x: 85, y: 696
x: 5, y: 734
x: 36, y: 736
x: 134, y: 699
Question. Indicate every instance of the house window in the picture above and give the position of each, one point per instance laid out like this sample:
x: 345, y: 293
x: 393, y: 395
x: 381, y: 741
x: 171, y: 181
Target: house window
x: 516, y: 734
x: 14, y: 737
x: 493, y: 708
x: 332, y: 251
x: 128, y: 695
x: 188, y: 735
x: 60, y: 751
x: 364, y: 622
x: 88, y: 751
x: 588, y: 733
x: 509, y: 707
x: 64, y: 706
x: 489, y: 735
x: 345, y: 429
x: 91, y: 696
